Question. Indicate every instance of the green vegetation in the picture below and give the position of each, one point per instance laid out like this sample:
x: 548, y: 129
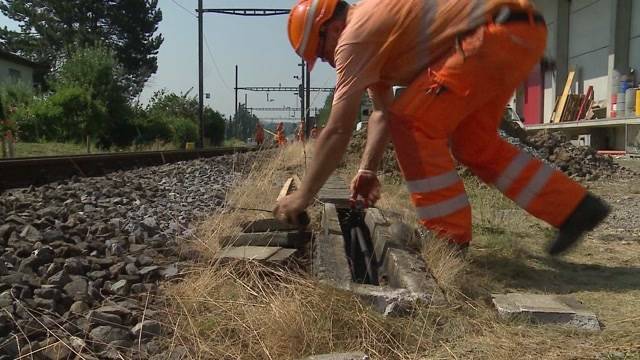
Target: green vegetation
x: 88, y: 105
x: 51, y: 31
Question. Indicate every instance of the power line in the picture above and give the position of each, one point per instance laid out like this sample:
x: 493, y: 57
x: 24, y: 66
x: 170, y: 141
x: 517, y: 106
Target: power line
x: 184, y: 8
x: 206, y: 42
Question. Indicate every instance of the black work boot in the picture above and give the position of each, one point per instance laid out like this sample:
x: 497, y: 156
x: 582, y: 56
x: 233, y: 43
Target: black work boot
x: 590, y: 213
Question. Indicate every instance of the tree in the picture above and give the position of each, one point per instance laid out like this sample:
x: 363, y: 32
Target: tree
x: 52, y: 30
x: 171, y: 106
x: 244, y: 124
x: 323, y: 115
x: 97, y: 73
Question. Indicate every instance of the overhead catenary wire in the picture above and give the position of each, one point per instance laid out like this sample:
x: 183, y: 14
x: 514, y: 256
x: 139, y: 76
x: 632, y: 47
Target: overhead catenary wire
x: 206, y: 42
x: 184, y: 8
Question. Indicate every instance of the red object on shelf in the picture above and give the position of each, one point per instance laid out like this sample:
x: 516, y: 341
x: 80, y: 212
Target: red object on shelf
x: 586, y: 103
x: 533, y: 97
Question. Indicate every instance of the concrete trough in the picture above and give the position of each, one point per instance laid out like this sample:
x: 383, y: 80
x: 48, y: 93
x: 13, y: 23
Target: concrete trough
x: 404, y: 277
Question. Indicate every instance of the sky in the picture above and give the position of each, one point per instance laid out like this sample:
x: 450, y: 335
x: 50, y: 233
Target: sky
x: 258, y: 45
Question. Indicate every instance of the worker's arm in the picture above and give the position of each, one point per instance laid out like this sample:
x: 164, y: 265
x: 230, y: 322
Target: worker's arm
x: 328, y: 151
x: 365, y: 185
x: 378, y: 134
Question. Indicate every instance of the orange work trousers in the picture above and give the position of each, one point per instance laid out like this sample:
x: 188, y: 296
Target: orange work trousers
x: 454, y: 108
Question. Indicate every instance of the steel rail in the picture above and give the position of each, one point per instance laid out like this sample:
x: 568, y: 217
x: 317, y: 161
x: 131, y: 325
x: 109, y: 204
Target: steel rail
x: 24, y: 172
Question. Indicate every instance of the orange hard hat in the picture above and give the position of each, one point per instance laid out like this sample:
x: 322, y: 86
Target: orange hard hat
x: 305, y: 20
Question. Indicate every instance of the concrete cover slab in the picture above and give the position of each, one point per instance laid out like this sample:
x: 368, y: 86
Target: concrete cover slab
x: 248, y: 253
x: 547, y: 309
x: 341, y: 356
x: 330, y: 263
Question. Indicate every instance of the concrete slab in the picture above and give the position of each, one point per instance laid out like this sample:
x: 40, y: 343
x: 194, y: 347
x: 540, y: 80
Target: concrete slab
x: 257, y: 253
x: 406, y: 270
x: 335, y: 191
x: 248, y: 253
x: 339, y: 356
x: 385, y: 300
x: 330, y: 263
x: 401, y: 268
x: 547, y: 309
x: 283, y: 255
x: 292, y: 239
x: 266, y: 225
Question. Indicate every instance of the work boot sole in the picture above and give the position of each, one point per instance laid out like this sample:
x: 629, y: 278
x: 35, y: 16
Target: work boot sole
x: 587, y: 216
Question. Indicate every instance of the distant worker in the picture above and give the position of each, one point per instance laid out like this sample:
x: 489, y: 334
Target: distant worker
x: 300, y: 132
x: 462, y: 61
x: 281, y: 138
x: 314, y: 132
x: 7, y: 131
x: 259, y: 134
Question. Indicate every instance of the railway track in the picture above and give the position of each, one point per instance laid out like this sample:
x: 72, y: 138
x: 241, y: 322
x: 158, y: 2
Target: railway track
x: 23, y: 172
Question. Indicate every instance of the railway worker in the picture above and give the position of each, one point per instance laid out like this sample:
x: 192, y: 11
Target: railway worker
x: 461, y: 61
x: 281, y: 138
x: 314, y: 132
x: 259, y: 134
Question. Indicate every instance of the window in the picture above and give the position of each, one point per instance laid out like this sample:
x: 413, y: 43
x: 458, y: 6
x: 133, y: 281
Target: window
x: 15, y: 75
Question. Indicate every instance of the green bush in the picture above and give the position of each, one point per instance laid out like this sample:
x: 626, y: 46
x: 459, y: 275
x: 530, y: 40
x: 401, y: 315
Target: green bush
x: 184, y: 131
x: 152, y: 128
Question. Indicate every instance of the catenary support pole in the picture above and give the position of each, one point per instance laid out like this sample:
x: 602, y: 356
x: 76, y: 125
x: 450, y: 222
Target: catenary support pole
x: 200, y: 77
x: 307, y: 110
x: 236, y: 88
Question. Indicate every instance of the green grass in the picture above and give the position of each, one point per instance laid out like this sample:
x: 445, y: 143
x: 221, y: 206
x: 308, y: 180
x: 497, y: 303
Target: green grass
x: 48, y: 149
x: 234, y: 142
x: 59, y: 149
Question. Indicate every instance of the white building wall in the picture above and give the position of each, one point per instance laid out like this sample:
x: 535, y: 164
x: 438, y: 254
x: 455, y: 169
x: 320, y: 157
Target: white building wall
x: 549, y: 9
x: 7, y: 68
x: 634, y: 46
x: 589, y: 37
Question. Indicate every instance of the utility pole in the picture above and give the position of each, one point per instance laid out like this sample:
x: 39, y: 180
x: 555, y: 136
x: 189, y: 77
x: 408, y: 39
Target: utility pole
x: 307, y: 110
x: 302, y: 91
x: 236, y: 90
x: 200, y: 77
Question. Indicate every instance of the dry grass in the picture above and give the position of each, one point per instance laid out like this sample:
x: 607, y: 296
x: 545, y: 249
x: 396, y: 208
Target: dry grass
x: 249, y: 311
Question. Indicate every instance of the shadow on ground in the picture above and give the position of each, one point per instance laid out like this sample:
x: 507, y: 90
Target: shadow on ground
x: 546, y: 274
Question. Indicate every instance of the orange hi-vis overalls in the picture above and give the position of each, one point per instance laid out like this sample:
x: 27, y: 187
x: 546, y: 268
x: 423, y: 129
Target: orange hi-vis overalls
x: 461, y: 61
x: 455, y: 107
x: 259, y: 135
x: 281, y: 139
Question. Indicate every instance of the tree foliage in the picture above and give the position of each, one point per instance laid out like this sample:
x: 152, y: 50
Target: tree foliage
x: 166, y: 107
x: 243, y: 125
x: 323, y: 115
x: 52, y: 30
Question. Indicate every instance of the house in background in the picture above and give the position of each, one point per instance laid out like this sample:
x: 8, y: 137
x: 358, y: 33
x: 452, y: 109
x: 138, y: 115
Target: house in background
x: 600, y: 40
x: 14, y: 69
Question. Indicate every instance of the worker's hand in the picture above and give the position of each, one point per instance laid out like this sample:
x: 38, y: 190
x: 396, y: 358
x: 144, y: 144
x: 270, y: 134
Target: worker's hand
x: 291, y: 207
x: 365, y: 185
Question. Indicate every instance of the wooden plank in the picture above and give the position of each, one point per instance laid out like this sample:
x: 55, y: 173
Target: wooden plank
x: 266, y: 225
x: 274, y: 239
x: 285, y: 188
x: 565, y: 93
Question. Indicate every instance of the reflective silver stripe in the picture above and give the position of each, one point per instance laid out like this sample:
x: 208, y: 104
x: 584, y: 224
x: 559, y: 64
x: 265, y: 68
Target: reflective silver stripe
x: 512, y: 171
x: 444, y: 208
x: 433, y: 183
x: 539, y: 180
x: 308, y: 24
